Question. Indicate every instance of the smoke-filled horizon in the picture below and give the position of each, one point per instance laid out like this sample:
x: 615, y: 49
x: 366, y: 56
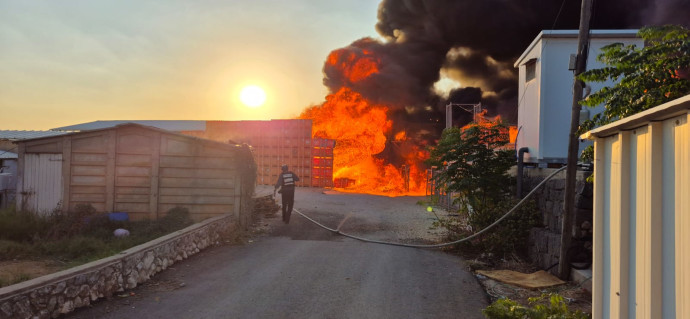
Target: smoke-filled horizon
x: 472, y: 42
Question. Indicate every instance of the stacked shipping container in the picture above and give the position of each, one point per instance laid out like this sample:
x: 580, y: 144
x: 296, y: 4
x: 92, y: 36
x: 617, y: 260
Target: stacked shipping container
x: 278, y: 142
x: 322, y: 162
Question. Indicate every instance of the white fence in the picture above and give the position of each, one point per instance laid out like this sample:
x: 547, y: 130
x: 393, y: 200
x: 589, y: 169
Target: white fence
x: 642, y: 215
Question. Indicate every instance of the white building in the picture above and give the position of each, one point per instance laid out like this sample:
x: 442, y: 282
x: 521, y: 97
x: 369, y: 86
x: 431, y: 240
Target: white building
x: 545, y: 90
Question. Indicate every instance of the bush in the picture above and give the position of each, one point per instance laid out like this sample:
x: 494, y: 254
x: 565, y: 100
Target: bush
x: 80, y: 235
x: 547, y: 306
x: 12, y: 249
x: 71, y: 223
x: 475, y: 164
x: 21, y: 226
x: 176, y: 218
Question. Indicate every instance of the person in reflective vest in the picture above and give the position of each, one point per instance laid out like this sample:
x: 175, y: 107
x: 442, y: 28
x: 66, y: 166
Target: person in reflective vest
x: 286, y: 182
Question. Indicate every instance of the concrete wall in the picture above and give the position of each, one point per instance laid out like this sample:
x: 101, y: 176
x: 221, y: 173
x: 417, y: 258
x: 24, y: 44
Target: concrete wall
x: 62, y: 292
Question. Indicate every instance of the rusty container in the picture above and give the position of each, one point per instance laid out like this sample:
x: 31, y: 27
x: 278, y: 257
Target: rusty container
x: 274, y: 143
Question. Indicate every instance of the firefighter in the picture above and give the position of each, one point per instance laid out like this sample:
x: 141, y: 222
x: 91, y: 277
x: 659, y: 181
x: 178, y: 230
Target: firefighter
x: 286, y: 182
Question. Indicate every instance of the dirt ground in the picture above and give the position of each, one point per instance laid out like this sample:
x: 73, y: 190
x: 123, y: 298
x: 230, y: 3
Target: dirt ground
x: 576, y: 297
x: 15, y: 271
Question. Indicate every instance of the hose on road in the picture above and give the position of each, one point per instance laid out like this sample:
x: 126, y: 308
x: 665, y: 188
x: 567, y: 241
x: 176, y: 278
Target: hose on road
x: 522, y: 201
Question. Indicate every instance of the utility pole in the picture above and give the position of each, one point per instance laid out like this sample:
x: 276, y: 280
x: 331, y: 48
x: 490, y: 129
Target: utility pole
x: 573, y: 141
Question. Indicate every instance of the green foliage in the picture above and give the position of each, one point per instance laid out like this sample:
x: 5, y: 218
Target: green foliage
x: 648, y: 76
x: 547, y: 306
x: 477, y: 165
x: 176, y: 218
x: 21, y: 226
x: 80, y: 235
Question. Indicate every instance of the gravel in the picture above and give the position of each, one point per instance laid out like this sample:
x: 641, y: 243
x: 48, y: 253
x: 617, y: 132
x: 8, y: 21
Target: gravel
x: 402, y: 219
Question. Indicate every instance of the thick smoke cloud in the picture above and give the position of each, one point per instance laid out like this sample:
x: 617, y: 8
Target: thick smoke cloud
x: 474, y: 42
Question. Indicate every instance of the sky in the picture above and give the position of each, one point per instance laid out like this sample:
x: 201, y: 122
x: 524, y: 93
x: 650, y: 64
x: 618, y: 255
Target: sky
x: 68, y: 62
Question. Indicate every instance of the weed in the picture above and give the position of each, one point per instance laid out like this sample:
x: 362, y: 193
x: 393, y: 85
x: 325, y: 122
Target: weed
x: 12, y: 249
x: 544, y: 306
x: 78, y: 236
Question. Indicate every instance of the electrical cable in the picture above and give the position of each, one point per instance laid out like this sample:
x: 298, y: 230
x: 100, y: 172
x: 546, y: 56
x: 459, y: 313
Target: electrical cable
x: 337, y: 231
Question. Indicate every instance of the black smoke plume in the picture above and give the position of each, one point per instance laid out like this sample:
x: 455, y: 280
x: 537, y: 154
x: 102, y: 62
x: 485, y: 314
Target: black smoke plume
x: 475, y: 42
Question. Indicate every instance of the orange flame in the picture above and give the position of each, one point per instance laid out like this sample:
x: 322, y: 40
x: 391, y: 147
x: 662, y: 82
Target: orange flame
x: 483, y: 120
x: 400, y: 136
x: 355, y: 68
x: 360, y: 128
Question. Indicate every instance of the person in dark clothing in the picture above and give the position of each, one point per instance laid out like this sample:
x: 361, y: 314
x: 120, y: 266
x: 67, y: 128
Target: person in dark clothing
x: 286, y: 182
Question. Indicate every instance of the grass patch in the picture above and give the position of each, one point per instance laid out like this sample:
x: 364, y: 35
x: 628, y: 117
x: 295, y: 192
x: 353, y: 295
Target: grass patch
x: 76, y: 237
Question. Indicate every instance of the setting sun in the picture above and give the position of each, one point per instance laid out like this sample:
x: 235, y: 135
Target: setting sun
x: 253, y: 96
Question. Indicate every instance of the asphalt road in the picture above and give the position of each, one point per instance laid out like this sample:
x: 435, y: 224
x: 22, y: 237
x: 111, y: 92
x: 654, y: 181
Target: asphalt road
x: 301, y: 271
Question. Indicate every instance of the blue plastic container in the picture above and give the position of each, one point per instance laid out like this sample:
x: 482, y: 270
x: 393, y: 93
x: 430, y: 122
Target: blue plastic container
x: 118, y: 216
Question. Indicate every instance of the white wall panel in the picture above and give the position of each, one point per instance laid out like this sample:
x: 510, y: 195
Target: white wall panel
x: 42, y: 182
x: 681, y: 202
x: 642, y: 220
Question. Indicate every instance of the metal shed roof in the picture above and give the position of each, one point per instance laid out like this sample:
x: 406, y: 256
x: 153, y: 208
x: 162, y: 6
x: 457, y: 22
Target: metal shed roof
x: 14, y: 135
x: 230, y: 144
x: 176, y: 126
x: 667, y: 110
x: 8, y: 155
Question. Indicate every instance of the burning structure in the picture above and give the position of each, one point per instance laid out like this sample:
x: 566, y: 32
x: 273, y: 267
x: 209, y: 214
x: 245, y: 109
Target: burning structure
x: 387, y: 97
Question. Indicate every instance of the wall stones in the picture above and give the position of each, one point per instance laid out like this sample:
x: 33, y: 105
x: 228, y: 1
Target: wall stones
x: 60, y: 293
x: 544, y: 242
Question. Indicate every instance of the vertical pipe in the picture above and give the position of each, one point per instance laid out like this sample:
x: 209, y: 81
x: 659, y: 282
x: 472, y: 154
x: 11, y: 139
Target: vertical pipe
x: 520, y: 166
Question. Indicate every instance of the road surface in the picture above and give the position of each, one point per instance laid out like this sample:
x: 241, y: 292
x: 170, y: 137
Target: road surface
x: 301, y: 271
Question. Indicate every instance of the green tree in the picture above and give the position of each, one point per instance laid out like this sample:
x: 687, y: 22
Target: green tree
x: 473, y: 162
x: 646, y: 77
x: 476, y: 163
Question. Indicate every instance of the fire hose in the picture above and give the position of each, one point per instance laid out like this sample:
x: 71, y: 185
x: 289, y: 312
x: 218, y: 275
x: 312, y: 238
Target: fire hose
x: 522, y: 201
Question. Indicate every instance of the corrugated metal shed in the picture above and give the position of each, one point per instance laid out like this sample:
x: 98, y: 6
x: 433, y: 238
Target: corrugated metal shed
x: 141, y: 170
x: 14, y: 135
x: 642, y: 214
x: 175, y: 126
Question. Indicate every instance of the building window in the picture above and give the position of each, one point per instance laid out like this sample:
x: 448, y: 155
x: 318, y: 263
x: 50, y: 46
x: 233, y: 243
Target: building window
x: 530, y: 70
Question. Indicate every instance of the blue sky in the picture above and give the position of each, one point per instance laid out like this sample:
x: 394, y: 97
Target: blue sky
x: 67, y: 62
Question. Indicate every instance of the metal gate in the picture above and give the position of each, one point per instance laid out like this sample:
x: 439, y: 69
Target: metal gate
x: 43, y: 185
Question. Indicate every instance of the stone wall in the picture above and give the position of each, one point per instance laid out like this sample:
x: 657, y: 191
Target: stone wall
x: 545, y: 242
x: 62, y: 292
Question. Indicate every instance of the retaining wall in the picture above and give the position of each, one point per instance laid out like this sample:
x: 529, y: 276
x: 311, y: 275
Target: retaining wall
x: 62, y: 292
x: 545, y: 242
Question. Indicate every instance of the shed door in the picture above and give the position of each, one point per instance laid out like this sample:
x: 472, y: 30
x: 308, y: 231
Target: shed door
x: 42, y: 182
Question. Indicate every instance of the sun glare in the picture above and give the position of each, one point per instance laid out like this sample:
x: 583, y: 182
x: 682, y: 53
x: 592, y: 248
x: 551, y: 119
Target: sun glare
x: 253, y: 96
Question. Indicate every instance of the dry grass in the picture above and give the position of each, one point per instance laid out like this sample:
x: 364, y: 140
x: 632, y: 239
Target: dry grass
x: 15, y: 271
